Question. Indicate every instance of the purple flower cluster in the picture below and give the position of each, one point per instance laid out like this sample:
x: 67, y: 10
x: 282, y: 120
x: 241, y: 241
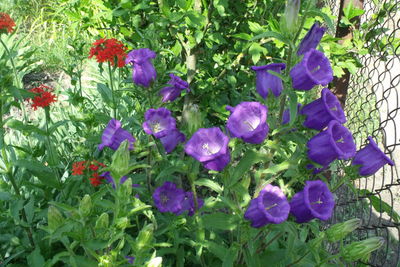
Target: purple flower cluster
x: 172, y: 92
x: 169, y: 198
x: 272, y: 207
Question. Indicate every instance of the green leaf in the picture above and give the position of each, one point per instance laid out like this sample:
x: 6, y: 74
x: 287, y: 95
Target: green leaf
x: 56, y: 125
x: 105, y: 93
x: 20, y: 126
x: 255, y: 27
x: 350, y: 11
x: 230, y: 257
x: 195, y: 19
x: 220, y: 221
x: 243, y: 36
x: 270, y: 34
x: 380, y: 205
x: 216, y: 249
x: 177, y: 49
x: 255, y: 50
x: 210, y: 184
x: 43, y: 173
x: 35, y: 259
x: 248, y: 160
x: 325, y: 17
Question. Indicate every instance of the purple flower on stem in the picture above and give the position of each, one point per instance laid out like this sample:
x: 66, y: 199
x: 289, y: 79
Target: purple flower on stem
x: 188, y: 204
x: 314, y: 69
x: 143, y: 70
x: 312, y: 39
x: 130, y: 259
x: 371, y: 159
x: 110, y: 179
x: 286, y: 114
x: 172, y: 139
x: 170, y: 93
x: 114, y: 135
x: 315, y: 201
x: 248, y: 121
x: 336, y: 142
x: 210, y: 147
x: 271, y: 206
x: 323, y: 110
x: 169, y: 198
x: 266, y: 81
x: 159, y: 122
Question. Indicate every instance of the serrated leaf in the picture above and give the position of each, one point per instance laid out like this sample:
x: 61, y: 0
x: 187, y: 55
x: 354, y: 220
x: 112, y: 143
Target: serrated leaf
x: 210, y: 184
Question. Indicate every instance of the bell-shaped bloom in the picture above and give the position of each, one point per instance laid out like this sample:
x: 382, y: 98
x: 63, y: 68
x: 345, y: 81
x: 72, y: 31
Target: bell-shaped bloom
x: 143, y: 70
x: 168, y: 198
x: 114, y: 135
x: 323, y: 110
x: 336, y: 142
x: 312, y: 70
x: 271, y: 206
x: 188, y: 204
x: 371, y: 159
x: 172, y: 139
x: 291, y: 15
x: 266, y: 81
x: 286, y: 114
x: 158, y: 122
x: 312, y: 39
x: 315, y: 201
x: 248, y: 121
x: 170, y: 93
x: 210, y: 147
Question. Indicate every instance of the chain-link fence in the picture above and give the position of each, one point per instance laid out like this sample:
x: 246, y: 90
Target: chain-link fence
x: 373, y: 109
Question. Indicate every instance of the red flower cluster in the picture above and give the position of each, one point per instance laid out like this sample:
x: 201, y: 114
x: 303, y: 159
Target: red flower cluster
x: 6, y: 23
x: 80, y: 166
x: 44, y: 96
x: 109, y: 50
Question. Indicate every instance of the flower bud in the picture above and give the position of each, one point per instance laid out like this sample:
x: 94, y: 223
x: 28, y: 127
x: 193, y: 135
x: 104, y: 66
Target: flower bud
x: 339, y: 231
x: 361, y: 250
x: 120, y: 162
x: 85, y: 206
x: 192, y: 118
x: 155, y: 262
x: 102, y: 222
x: 15, y: 241
x: 125, y: 189
x: 122, y: 223
x: 54, y: 218
x: 291, y: 15
x: 144, y: 238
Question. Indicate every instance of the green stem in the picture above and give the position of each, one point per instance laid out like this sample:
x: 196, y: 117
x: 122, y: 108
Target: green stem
x: 114, y: 114
x: 49, y: 145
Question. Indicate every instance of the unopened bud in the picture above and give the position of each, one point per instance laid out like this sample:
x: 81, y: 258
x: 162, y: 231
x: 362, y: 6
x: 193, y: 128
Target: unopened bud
x: 54, y: 218
x: 339, y: 231
x: 85, y: 206
x: 155, y: 262
x: 122, y: 223
x: 291, y: 15
x: 361, y: 250
x: 192, y: 118
x: 120, y: 162
x: 145, y: 237
x: 102, y: 222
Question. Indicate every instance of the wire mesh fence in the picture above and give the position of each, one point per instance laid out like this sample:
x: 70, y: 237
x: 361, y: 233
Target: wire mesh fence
x: 373, y: 109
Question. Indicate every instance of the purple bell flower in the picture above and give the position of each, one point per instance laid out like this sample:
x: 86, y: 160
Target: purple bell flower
x: 371, y: 159
x: 312, y: 39
x: 130, y: 259
x: 170, y: 93
x: 323, y: 110
x: 271, y: 206
x: 248, y: 121
x: 143, y: 70
x: 315, y: 201
x: 266, y: 82
x: 314, y: 69
x: 188, y: 204
x: 172, y: 139
x: 336, y: 142
x: 114, y: 135
x: 159, y: 122
x: 110, y: 179
x: 168, y: 198
x: 210, y: 147
x: 286, y: 114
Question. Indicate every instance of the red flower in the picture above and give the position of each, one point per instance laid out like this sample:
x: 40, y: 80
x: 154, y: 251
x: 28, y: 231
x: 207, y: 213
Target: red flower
x: 43, y: 97
x: 96, y: 180
x: 108, y: 50
x: 78, y: 167
x: 6, y: 23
